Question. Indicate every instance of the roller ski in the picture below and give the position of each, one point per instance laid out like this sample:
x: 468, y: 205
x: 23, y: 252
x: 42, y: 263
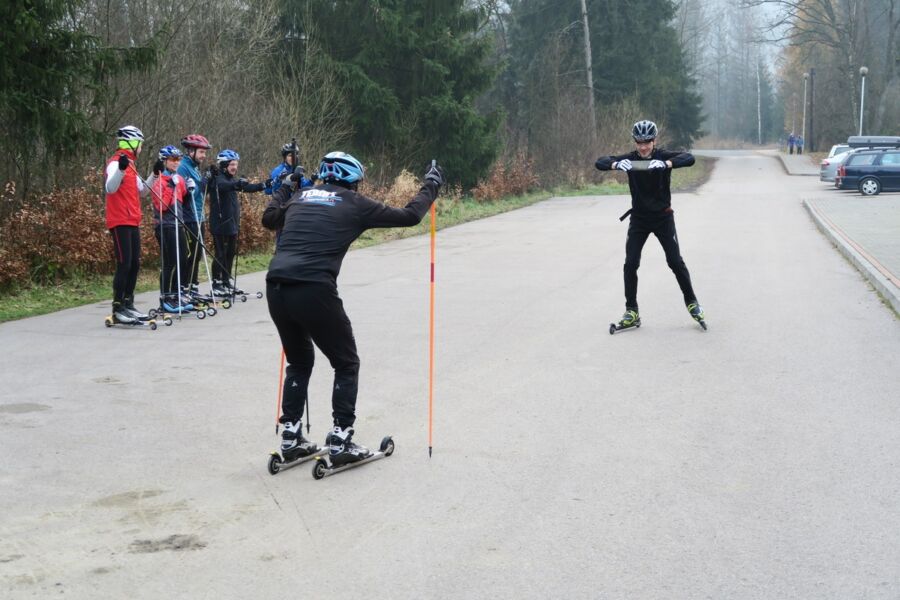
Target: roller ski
x: 169, y: 306
x: 122, y: 315
x: 630, y: 320
x: 237, y: 294
x: 343, y: 454
x: 206, y: 303
x: 295, y: 449
x: 697, y: 314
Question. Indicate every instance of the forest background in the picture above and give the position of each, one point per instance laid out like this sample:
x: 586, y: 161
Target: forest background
x: 509, y: 95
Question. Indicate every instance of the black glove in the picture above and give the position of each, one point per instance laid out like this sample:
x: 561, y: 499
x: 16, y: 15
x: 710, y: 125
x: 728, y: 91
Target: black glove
x: 172, y: 183
x: 123, y: 162
x: 296, y: 177
x: 241, y: 183
x: 268, y: 183
x: 158, y: 167
x: 435, y: 174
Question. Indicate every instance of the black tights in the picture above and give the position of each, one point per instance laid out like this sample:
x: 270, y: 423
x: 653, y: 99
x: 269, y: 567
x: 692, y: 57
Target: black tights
x: 639, y: 229
x: 126, y: 241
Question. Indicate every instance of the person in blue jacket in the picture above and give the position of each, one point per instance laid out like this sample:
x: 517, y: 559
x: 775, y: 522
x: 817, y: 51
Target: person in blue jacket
x: 288, y: 156
x: 196, y: 147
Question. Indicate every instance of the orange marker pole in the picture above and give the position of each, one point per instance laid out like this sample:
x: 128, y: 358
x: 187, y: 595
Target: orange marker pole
x: 280, y: 386
x: 431, y: 341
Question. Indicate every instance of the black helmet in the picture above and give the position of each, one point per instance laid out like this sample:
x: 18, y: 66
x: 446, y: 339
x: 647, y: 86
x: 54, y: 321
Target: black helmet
x: 288, y: 148
x: 644, y: 131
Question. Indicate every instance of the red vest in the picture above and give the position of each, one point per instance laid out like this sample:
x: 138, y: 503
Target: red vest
x: 123, y: 207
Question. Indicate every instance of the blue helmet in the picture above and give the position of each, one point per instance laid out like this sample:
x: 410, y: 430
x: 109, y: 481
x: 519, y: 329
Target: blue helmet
x: 339, y: 166
x: 226, y: 156
x: 168, y: 152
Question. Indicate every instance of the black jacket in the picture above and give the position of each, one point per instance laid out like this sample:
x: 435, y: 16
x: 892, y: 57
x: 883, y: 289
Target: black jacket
x: 650, y: 190
x: 319, y: 223
x: 224, y: 206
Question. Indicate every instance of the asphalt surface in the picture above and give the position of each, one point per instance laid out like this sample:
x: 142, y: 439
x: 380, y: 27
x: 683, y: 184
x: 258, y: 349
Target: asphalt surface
x: 755, y: 460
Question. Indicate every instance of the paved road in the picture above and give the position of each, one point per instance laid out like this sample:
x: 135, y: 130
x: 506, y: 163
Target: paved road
x: 756, y: 460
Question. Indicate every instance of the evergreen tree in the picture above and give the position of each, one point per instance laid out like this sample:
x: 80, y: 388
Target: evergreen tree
x: 412, y: 71
x: 51, y: 74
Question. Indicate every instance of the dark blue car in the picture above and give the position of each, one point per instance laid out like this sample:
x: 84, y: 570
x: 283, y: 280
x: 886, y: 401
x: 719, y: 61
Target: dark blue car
x: 870, y: 171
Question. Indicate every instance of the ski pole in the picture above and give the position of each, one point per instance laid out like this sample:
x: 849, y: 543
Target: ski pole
x: 431, y: 334
x: 280, y: 388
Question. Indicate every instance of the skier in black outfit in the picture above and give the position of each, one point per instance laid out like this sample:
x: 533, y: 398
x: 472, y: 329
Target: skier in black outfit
x: 318, y: 224
x: 651, y: 212
x: 225, y: 218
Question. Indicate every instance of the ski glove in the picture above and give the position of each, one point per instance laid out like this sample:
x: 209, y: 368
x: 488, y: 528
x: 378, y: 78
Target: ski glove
x: 295, y: 178
x: 657, y: 164
x: 435, y: 174
x: 123, y: 162
x: 240, y: 184
x: 158, y: 167
x: 191, y: 185
x: 624, y: 165
x: 268, y: 183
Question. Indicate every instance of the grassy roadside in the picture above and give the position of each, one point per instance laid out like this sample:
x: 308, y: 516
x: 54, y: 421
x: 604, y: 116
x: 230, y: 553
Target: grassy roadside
x: 42, y: 299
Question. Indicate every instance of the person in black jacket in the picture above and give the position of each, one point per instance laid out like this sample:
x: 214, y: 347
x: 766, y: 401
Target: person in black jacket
x: 651, y: 212
x: 225, y: 218
x: 318, y: 224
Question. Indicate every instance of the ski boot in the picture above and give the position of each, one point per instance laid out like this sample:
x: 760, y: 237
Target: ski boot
x: 295, y: 449
x: 170, y: 305
x: 220, y: 290
x: 129, y: 306
x: 234, y: 289
x: 341, y: 449
x: 630, y: 319
x: 697, y: 313
x: 122, y: 316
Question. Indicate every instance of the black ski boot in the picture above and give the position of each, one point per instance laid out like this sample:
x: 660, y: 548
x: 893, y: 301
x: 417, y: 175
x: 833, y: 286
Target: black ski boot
x: 630, y: 319
x: 122, y: 316
x: 341, y: 449
x: 697, y: 313
x: 293, y: 444
x: 129, y: 307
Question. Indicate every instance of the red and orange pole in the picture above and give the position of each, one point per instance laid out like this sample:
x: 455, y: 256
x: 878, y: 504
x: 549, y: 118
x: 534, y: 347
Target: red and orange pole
x: 431, y: 339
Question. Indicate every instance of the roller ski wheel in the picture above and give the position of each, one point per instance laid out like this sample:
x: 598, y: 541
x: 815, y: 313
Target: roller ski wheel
x: 259, y: 295
x: 278, y: 463
x: 167, y: 321
x: 324, y: 468
x: 211, y: 311
x: 226, y: 304
x: 201, y: 314
x: 153, y: 313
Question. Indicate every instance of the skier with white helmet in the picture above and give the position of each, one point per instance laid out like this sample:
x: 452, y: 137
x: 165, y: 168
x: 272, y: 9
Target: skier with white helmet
x: 651, y: 212
x: 124, y: 190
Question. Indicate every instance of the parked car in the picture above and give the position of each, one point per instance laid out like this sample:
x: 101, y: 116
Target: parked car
x: 829, y: 166
x: 870, y: 171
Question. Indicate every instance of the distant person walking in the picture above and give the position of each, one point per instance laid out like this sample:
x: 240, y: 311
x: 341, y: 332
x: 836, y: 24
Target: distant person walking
x: 792, y: 139
x: 799, y: 144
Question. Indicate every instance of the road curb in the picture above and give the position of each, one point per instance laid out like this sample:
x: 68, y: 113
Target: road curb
x: 876, y: 273
x: 788, y: 169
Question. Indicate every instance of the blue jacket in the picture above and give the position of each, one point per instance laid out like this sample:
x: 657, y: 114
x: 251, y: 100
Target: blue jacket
x: 193, y: 211
x: 278, y: 173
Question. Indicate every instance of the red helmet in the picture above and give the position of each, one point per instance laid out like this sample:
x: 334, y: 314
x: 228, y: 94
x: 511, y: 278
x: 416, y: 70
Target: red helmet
x: 195, y: 140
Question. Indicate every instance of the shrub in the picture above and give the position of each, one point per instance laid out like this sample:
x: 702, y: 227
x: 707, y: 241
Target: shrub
x: 508, y: 178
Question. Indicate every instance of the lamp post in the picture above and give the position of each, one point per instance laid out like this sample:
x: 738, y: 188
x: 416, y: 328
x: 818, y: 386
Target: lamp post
x: 863, y: 71
x: 803, y: 126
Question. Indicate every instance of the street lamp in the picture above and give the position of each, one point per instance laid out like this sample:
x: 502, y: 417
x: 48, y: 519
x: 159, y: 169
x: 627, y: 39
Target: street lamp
x: 803, y: 127
x: 863, y: 71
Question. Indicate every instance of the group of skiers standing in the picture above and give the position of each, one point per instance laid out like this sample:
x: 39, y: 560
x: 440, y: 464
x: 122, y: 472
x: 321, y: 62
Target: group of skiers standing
x: 178, y: 189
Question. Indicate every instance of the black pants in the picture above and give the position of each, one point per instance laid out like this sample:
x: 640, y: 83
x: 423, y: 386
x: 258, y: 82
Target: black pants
x: 663, y: 227
x: 126, y: 241
x: 171, y: 259
x: 307, y: 314
x: 223, y: 266
x: 195, y: 257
